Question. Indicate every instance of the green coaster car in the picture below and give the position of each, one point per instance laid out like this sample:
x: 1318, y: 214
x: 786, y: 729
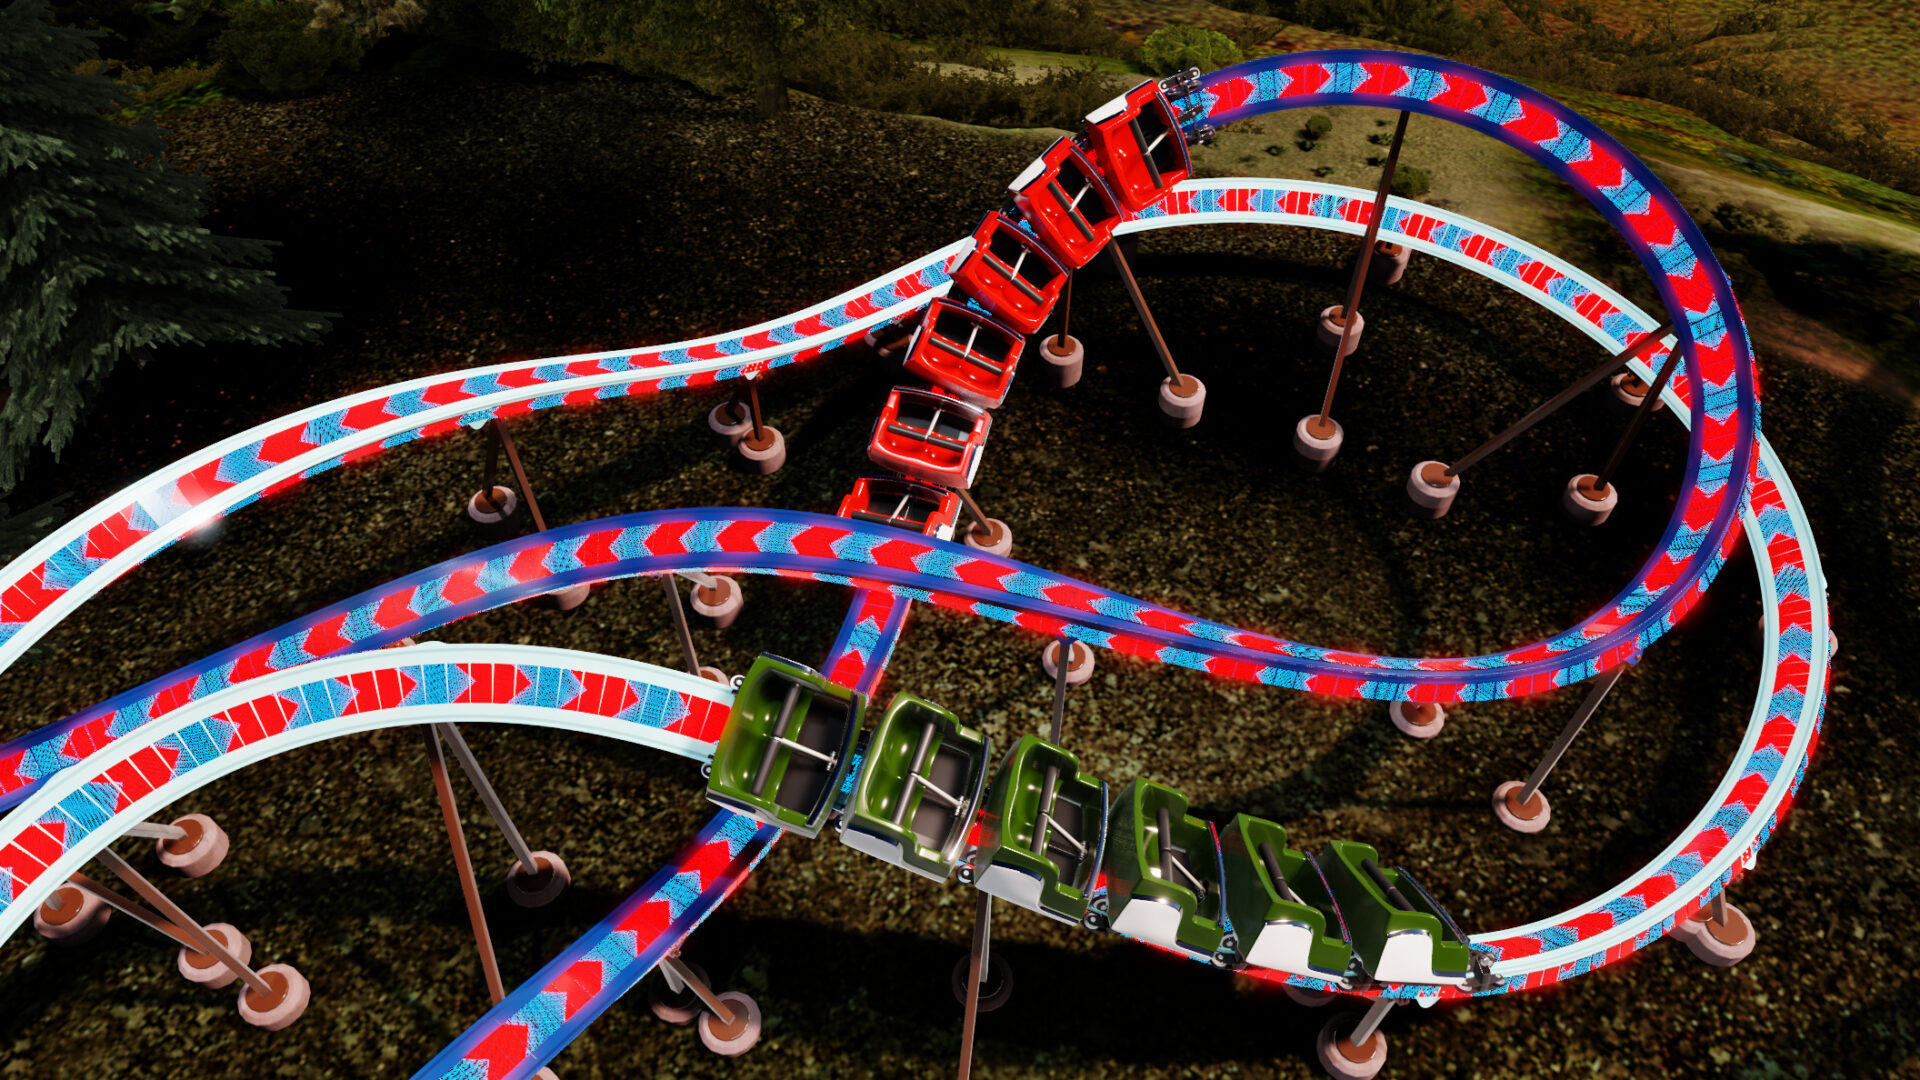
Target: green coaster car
x: 1397, y: 936
x: 1284, y: 915
x: 918, y: 789
x: 786, y: 746
x: 1042, y: 835
x: 1164, y: 873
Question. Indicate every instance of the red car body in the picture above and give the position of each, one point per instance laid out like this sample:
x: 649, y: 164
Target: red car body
x: 929, y: 436
x: 903, y: 503
x: 1011, y: 273
x: 1069, y: 206
x: 1138, y: 146
x: 965, y: 352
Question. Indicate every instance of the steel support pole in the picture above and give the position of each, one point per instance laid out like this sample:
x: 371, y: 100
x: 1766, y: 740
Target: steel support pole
x: 153, y: 830
x: 1370, y: 1023
x: 463, y: 864
x: 1568, y: 734
x: 1060, y: 665
x: 519, y: 475
x: 692, y: 981
x: 1547, y: 408
x: 1146, y: 316
x: 495, y: 808
x: 973, y: 508
x: 976, y: 972
x: 195, y: 934
x: 1351, y: 308
x: 753, y: 406
x: 137, y: 912
x: 680, y: 622
x: 1066, y: 309
x: 1640, y: 414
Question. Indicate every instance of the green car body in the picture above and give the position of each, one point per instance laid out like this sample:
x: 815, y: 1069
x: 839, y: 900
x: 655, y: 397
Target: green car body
x: 1057, y: 881
x: 919, y: 756
x: 757, y: 774
x: 1394, y: 945
x: 1164, y: 909
x: 1304, y: 938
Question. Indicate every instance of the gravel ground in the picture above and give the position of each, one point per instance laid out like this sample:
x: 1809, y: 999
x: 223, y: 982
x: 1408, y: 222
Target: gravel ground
x: 483, y: 216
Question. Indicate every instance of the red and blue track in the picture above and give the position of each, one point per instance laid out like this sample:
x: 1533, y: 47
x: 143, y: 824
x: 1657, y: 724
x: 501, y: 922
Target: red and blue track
x: 76, y: 784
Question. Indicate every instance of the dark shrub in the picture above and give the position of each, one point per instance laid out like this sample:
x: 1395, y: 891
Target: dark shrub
x: 1410, y: 181
x: 1177, y: 48
x: 273, y: 47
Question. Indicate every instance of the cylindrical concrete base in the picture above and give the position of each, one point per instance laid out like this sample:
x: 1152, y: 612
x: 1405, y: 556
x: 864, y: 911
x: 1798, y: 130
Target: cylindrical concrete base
x: 1064, y: 362
x: 1307, y: 997
x: 996, y: 983
x: 676, y: 1007
x: 1720, y: 944
x: 1182, y: 400
x: 80, y: 919
x: 1342, y: 1058
x: 1332, y: 325
x: 732, y: 1040
x: 1585, y: 506
x: 568, y: 598
x: 1529, y: 817
x: 541, y: 887
x: 997, y: 540
x: 766, y: 454
x: 720, y: 605
x: 1431, y: 490
x: 728, y: 431
x: 496, y: 511
x: 1388, y: 264
x: 1079, y: 668
x: 203, y: 968
x: 275, y: 1013
x: 198, y: 853
x: 1316, y: 447
x: 1629, y: 392
x: 1418, y: 720
x: 713, y: 674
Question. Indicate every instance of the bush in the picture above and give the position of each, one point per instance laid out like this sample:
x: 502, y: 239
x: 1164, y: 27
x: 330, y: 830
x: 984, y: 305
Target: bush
x: 1318, y: 125
x: 889, y: 76
x: 1177, y: 48
x: 274, y: 47
x: 1070, y: 26
x: 1410, y: 181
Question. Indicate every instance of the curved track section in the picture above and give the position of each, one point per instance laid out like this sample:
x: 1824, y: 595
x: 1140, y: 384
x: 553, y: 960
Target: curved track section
x: 1698, y: 297
x: 1754, y: 794
x: 548, y: 1011
x: 60, y: 573
x: 530, y: 1026
x: 71, y: 817
x: 1559, y: 287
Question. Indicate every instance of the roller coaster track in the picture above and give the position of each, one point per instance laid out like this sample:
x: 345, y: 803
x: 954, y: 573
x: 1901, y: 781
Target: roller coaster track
x: 77, y: 756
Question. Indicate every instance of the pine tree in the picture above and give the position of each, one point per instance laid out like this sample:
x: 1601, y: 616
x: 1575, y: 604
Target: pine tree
x: 102, y: 254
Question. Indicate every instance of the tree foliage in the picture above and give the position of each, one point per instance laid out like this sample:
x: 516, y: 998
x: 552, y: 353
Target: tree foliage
x: 1177, y: 48
x: 102, y: 254
x: 718, y: 45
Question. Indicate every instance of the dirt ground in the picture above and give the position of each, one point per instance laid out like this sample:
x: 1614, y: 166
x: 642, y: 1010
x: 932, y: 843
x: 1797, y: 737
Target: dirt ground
x: 483, y: 216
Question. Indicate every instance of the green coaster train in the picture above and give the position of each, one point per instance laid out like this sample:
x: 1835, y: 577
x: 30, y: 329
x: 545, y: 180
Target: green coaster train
x: 1044, y: 834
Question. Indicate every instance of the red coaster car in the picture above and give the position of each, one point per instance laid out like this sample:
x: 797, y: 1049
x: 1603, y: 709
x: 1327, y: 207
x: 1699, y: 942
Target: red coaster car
x: 930, y: 437
x: 1011, y: 274
x: 903, y: 503
x: 965, y: 353
x: 1138, y: 145
x: 1070, y: 208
